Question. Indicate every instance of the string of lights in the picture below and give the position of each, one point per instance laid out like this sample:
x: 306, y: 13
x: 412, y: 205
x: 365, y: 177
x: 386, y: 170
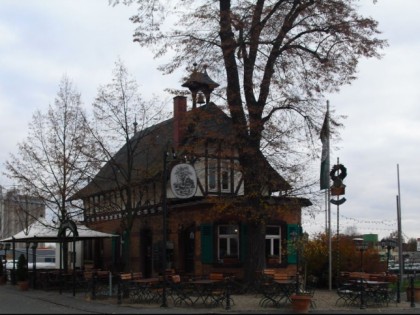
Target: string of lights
x: 362, y: 225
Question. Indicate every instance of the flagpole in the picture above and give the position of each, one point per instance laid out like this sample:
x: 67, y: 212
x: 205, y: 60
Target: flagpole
x: 326, y: 211
x: 325, y: 179
x: 400, y: 242
x: 329, y: 209
x: 329, y: 242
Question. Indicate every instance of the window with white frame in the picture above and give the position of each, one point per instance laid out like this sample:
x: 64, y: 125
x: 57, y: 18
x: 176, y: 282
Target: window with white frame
x: 225, y: 178
x: 213, y: 175
x: 228, y: 241
x: 273, y: 242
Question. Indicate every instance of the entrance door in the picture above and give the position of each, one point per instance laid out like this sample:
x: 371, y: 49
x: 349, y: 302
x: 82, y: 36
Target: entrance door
x: 146, y: 252
x: 189, y: 249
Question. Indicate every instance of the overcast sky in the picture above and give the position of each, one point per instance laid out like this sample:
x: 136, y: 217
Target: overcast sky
x: 42, y: 40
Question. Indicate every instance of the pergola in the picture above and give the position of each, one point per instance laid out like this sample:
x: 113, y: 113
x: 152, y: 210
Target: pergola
x: 42, y: 231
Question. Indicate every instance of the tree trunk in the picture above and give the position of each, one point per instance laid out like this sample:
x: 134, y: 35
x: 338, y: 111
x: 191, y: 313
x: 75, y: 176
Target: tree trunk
x: 127, y: 251
x: 256, y: 251
x: 256, y: 217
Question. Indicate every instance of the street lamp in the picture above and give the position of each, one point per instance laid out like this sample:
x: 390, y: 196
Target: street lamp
x: 294, y: 236
x: 164, y: 223
x: 1, y: 248
x: 361, y: 246
x: 34, y: 246
x: 28, y: 244
x: 388, y: 244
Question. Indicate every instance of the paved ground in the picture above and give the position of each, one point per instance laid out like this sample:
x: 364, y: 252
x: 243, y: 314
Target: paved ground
x: 13, y: 301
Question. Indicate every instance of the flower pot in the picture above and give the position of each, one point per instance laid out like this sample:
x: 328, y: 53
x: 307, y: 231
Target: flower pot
x: 23, y: 285
x: 416, y: 294
x: 301, y: 303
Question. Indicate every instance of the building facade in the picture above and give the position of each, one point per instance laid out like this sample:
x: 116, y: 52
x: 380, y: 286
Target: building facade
x: 187, y: 180
x: 18, y: 211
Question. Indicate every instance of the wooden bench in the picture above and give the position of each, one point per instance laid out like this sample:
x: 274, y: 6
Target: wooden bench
x: 128, y: 276
x: 269, y: 272
x: 125, y: 276
x: 359, y: 275
x: 281, y: 276
x: 126, y: 281
x: 218, y: 276
x: 136, y: 275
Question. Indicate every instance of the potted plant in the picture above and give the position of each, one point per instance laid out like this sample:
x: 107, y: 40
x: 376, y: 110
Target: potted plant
x: 301, y: 302
x: 3, y: 276
x: 409, y: 289
x: 22, y: 273
x: 302, y: 298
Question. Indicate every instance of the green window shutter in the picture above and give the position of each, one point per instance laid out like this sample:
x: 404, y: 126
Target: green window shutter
x: 243, y: 239
x: 291, y: 251
x: 206, y: 243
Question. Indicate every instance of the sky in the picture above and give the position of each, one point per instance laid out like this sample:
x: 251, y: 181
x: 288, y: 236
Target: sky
x: 43, y: 40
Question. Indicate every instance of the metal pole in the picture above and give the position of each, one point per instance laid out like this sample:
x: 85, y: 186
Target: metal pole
x: 338, y: 238
x: 401, y: 259
x: 400, y: 256
x: 164, y: 214
x: 74, y: 266
x: 329, y: 243
x: 361, y: 259
x: 34, y: 246
x: 110, y: 283
x: 297, y: 267
x: 412, y: 304
x: 338, y: 245
x: 362, y: 287
x: 13, y: 278
x: 60, y: 274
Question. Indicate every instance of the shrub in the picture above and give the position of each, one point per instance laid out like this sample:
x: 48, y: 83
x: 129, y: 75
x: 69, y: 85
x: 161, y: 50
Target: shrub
x: 22, y: 268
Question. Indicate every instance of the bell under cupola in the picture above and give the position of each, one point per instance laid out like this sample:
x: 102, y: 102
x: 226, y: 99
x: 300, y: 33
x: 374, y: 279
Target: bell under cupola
x: 200, y: 83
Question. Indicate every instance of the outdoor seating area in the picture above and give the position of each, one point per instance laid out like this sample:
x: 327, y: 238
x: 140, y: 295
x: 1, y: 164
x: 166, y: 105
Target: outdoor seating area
x: 207, y: 291
x: 219, y: 290
x: 94, y: 282
x: 365, y: 290
x: 275, y: 287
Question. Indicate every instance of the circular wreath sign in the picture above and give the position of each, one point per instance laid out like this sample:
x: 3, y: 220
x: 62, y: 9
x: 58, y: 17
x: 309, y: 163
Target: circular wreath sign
x: 342, y: 172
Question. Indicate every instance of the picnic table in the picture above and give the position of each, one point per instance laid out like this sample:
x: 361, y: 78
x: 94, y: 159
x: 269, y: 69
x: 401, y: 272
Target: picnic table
x: 363, y: 293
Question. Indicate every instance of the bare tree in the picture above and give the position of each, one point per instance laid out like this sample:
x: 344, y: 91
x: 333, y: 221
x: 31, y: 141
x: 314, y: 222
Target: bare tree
x: 50, y: 165
x: 121, y: 118
x: 275, y: 60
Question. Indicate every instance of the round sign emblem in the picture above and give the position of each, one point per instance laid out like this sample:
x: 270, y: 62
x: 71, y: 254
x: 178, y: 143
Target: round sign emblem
x: 183, y: 180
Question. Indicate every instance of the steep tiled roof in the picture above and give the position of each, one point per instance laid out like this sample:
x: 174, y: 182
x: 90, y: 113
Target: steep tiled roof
x: 204, y: 123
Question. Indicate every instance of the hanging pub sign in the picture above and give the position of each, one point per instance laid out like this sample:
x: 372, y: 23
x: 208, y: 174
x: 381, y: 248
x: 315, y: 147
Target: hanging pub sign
x: 183, y: 181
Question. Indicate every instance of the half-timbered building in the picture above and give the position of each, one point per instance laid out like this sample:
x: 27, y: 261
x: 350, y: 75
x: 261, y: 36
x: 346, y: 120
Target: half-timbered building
x: 187, y: 179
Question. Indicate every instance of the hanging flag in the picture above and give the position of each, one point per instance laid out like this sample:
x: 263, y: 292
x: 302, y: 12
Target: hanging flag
x: 325, y: 157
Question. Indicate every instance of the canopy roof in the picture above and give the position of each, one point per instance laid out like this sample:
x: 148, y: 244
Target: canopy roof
x: 46, y: 232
